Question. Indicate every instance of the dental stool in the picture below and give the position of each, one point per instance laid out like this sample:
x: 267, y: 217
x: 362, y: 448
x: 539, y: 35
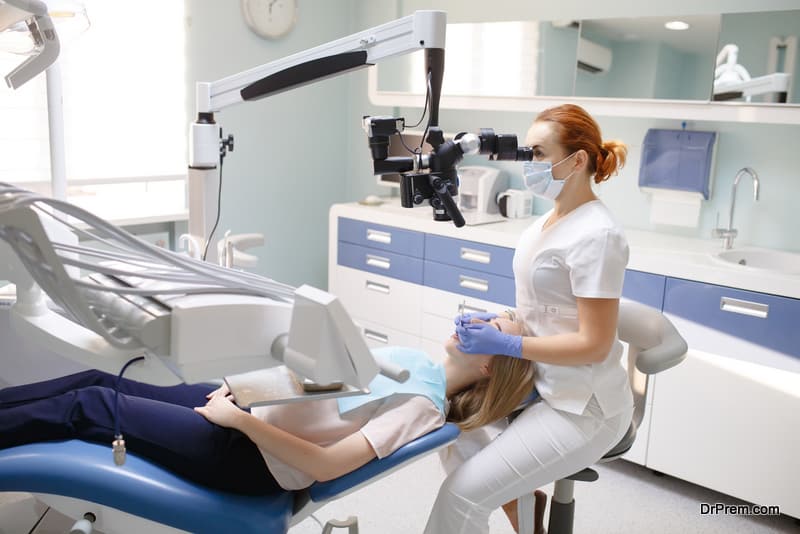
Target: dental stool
x: 654, y: 345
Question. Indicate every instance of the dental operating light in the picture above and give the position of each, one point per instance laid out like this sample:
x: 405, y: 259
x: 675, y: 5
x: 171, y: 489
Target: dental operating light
x: 30, y: 16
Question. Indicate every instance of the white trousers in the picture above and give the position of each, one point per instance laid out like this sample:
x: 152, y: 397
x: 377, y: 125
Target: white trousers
x: 541, y: 445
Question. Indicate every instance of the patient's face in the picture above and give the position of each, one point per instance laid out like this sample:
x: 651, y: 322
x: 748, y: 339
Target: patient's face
x: 501, y: 323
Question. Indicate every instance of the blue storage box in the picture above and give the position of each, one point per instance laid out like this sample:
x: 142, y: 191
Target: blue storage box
x: 680, y: 160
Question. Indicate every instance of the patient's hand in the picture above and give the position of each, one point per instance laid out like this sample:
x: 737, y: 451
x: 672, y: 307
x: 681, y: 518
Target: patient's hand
x: 220, y: 410
x: 221, y: 391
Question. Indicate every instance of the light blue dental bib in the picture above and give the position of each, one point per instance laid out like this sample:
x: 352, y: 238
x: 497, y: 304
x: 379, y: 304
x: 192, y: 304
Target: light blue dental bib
x: 427, y: 379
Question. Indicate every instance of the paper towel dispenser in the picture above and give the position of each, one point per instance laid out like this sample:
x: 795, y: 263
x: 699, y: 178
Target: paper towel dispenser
x: 680, y: 160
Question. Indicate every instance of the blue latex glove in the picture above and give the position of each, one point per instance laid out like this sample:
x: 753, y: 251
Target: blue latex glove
x: 465, y: 318
x: 484, y: 338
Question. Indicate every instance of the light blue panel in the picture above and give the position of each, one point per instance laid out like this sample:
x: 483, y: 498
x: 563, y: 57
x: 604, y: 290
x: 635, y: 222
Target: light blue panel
x: 701, y: 303
x: 452, y: 279
x: 469, y: 255
x: 372, y: 235
x: 557, y: 59
x: 644, y: 287
x: 380, y: 262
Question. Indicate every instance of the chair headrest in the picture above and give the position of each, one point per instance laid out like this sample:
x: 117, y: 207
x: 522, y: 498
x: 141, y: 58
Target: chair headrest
x: 659, y: 344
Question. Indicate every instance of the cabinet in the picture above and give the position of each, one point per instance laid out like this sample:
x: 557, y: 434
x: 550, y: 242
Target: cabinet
x: 403, y: 287
x: 725, y: 418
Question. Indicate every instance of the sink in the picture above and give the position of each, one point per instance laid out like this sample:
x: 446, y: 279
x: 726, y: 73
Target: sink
x: 760, y: 258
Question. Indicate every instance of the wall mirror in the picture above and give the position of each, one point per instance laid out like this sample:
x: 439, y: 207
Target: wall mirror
x: 758, y: 58
x: 643, y: 58
x: 505, y: 59
x: 626, y: 68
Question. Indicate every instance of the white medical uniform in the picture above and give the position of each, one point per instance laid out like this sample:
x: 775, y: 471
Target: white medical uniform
x: 585, y: 409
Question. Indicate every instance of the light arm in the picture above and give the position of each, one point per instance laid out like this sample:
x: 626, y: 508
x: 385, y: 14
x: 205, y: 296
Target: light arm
x: 34, y: 14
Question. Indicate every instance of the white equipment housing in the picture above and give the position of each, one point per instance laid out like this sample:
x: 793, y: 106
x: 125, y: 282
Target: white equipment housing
x: 593, y: 57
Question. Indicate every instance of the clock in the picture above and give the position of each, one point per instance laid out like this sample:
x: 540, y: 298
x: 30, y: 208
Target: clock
x: 270, y: 18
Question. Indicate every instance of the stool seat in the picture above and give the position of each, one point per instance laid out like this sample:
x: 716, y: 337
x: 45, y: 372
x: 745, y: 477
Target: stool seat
x: 624, y: 444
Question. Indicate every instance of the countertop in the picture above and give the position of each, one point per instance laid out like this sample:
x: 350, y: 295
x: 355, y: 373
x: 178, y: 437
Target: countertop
x: 652, y: 252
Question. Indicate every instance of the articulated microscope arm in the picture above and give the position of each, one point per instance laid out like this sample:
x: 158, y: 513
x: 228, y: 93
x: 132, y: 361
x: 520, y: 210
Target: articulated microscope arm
x: 422, y: 30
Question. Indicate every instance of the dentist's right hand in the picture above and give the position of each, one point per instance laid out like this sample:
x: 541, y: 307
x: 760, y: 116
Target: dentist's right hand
x: 485, y: 338
x: 466, y: 318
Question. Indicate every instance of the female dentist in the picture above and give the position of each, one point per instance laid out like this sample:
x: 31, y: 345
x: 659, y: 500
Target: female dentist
x: 569, y: 267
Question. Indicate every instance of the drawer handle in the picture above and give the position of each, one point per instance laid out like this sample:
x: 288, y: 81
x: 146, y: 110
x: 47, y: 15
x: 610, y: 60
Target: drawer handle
x: 379, y: 237
x: 467, y: 282
x: 379, y: 262
x: 380, y: 288
x: 376, y: 336
x: 744, y: 307
x: 477, y: 256
x: 466, y: 308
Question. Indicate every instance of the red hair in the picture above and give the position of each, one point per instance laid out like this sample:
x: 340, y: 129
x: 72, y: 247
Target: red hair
x: 577, y: 130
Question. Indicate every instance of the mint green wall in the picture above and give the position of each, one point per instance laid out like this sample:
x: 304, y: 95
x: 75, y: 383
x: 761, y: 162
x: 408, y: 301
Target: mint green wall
x: 290, y: 159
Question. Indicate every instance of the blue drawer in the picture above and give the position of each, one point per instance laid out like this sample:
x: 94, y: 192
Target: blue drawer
x: 380, y: 262
x: 470, y: 255
x: 382, y: 237
x: 470, y: 283
x: 766, y: 320
x: 645, y: 288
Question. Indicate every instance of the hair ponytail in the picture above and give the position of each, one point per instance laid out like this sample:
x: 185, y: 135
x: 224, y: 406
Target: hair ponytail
x: 610, y: 160
x: 577, y: 130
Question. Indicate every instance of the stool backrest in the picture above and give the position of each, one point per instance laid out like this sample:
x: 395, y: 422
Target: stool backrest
x: 654, y: 345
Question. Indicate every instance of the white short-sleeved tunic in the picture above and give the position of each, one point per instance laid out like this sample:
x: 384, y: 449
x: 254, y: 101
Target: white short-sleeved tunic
x: 583, y: 254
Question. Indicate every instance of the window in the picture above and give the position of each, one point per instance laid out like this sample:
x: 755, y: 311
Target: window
x: 490, y: 58
x: 124, y: 113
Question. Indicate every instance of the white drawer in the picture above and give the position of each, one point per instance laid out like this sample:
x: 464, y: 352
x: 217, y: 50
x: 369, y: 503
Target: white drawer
x: 382, y: 299
x: 446, y: 304
x: 378, y: 335
x: 436, y: 328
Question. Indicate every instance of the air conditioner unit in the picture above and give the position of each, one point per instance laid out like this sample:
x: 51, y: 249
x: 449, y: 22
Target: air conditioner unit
x: 593, y: 57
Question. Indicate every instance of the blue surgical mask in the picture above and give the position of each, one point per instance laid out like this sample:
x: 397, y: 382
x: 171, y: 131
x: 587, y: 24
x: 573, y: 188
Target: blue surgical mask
x: 538, y: 176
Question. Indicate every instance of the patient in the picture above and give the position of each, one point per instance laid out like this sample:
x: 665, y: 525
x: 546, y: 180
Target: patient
x: 200, y: 434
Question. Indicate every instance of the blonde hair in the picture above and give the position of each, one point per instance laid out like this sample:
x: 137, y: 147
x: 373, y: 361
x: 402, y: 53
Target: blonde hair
x: 577, y: 130
x: 510, y: 382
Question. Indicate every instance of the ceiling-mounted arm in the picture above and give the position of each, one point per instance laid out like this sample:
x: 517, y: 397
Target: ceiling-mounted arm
x: 33, y: 14
x: 421, y: 30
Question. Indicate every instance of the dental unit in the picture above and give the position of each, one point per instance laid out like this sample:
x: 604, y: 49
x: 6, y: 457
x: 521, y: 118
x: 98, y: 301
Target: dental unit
x: 186, y: 320
x: 190, y: 320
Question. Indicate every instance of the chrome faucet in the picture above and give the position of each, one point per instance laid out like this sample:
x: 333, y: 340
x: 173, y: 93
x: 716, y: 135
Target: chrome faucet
x: 730, y: 232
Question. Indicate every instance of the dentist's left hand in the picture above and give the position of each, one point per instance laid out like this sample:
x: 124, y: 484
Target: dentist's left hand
x: 222, y: 411
x: 484, y: 338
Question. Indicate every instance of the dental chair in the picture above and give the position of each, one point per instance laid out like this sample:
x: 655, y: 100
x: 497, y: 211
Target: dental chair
x: 654, y: 345
x: 80, y: 479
